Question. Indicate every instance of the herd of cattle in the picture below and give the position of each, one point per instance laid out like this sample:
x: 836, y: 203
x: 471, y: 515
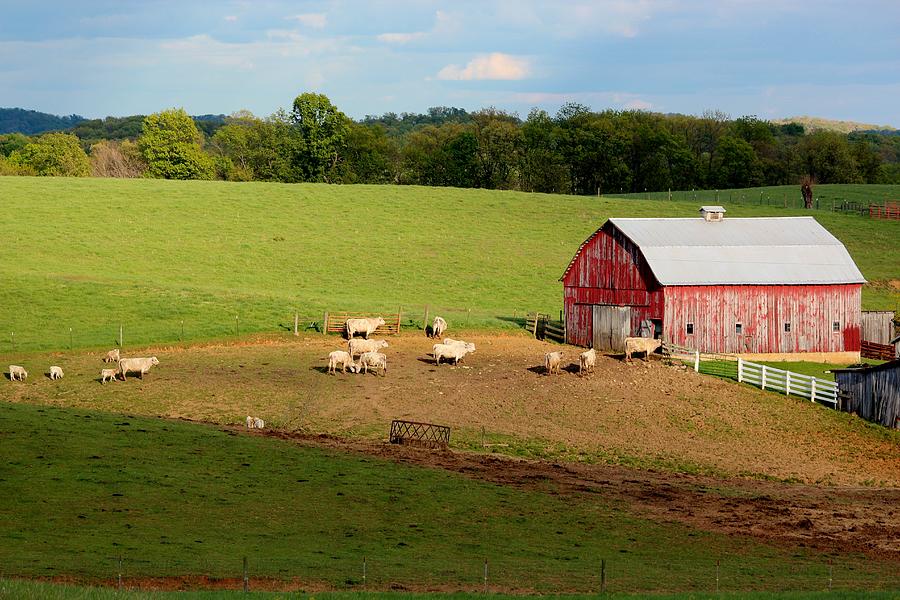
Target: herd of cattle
x: 368, y: 352
x: 123, y: 367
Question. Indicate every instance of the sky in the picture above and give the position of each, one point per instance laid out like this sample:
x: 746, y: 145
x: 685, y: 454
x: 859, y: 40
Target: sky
x: 769, y: 58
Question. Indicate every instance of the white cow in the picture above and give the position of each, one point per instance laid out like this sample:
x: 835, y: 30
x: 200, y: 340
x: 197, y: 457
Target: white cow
x: 438, y: 327
x: 108, y: 375
x: 339, y: 357
x: 17, y: 373
x: 363, y: 326
x: 469, y: 346
x: 136, y: 365
x: 112, y: 356
x: 636, y: 344
x: 552, y: 361
x: 376, y: 360
x: 454, y: 352
x: 358, y: 346
x: 586, y: 361
x: 56, y: 373
x: 255, y: 423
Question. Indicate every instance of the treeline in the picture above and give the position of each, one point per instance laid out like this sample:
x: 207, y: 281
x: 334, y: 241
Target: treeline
x: 30, y: 122
x: 575, y: 151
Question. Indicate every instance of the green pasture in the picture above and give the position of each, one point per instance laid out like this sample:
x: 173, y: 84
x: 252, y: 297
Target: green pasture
x: 198, y: 259
x: 83, y: 488
x: 31, y: 590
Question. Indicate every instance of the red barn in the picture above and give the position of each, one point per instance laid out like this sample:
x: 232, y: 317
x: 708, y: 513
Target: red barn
x: 764, y: 286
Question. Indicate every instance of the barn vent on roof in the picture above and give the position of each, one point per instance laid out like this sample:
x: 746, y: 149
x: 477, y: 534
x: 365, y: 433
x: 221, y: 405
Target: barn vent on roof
x: 712, y: 213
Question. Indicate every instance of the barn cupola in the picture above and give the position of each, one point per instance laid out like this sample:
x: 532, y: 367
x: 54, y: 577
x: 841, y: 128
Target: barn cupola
x: 712, y: 213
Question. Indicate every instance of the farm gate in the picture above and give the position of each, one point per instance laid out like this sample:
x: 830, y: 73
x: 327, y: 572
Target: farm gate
x: 419, y: 434
x: 334, y: 322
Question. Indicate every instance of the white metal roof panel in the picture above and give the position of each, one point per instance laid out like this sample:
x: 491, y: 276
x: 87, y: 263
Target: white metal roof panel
x: 753, y: 251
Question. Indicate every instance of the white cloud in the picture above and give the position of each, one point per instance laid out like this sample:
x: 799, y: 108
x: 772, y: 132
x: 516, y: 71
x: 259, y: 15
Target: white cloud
x: 314, y: 20
x: 597, y: 100
x: 231, y: 18
x: 488, y: 66
x: 400, y: 38
x: 638, y: 104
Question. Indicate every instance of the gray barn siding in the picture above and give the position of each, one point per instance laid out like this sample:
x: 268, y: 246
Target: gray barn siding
x: 877, y: 326
x: 874, y: 392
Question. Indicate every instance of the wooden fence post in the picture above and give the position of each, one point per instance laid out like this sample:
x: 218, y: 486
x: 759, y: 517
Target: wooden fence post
x: 812, y: 390
x: 603, y: 576
x: 787, y: 383
x: 246, y: 579
x: 121, y: 338
x: 325, y: 323
x: 763, y: 378
x: 425, y: 319
x: 697, y: 361
x: 296, y: 324
x: 119, y: 578
x: 399, y: 313
x: 740, y: 369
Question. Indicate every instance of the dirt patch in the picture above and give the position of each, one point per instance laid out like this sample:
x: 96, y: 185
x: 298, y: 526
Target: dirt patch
x: 644, y: 414
x: 833, y: 519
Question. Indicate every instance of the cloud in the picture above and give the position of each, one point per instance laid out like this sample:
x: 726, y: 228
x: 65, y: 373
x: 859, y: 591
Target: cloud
x: 400, y: 38
x: 231, y: 18
x: 638, y: 104
x: 625, y: 100
x: 488, y: 66
x: 314, y: 20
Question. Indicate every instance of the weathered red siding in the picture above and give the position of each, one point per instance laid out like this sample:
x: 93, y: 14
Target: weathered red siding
x: 609, y: 269
x: 762, y: 311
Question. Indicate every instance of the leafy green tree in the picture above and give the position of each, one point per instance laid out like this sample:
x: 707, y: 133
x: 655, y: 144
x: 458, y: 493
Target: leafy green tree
x: 868, y: 162
x: 498, y: 143
x: 542, y: 165
x: 171, y: 146
x: 594, y: 149
x: 736, y: 165
x: 54, y: 154
x: 322, y: 132
x: 11, y: 142
x: 826, y: 156
x: 371, y: 156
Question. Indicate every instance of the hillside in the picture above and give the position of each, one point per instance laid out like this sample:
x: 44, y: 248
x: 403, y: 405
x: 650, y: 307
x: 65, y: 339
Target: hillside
x: 29, y: 122
x: 811, y: 124
x: 168, y: 259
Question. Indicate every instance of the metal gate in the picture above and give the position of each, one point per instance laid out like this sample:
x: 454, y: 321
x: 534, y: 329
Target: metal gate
x: 612, y: 324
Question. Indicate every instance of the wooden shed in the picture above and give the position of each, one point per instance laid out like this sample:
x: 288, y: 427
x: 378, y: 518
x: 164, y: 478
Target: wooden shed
x: 872, y: 392
x: 768, y: 287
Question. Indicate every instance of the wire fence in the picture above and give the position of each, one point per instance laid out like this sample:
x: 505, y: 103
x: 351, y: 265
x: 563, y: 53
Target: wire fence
x: 572, y: 573
x: 775, y: 197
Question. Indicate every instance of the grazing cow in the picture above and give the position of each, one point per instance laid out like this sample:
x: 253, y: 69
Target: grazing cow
x: 552, y: 361
x: 255, y: 423
x: 136, y: 365
x: 108, y: 374
x: 586, y: 361
x: 469, y: 346
x: 360, y: 346
x: 17, y: 373
x: 453, y: 352
x: 376, y: 360
x: 56, y: 373
x: 112, y: 356
x: 363, y: 326
x: 339, y: 357
x: 438, y: 327
x: 636, y: 344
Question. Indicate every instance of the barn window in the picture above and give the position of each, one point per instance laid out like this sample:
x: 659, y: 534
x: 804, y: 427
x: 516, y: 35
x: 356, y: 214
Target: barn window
x: 689, y: 329
x: 738, y: 328
x: 836, y: 326
x: 787, y: 327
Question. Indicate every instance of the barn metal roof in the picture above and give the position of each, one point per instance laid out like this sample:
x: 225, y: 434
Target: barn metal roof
x: 747, y: 251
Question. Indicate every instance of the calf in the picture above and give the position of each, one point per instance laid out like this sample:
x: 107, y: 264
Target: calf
x: 108, y: 374
x: 56, y: 373
x: 586, y: 361
x: 17, y: 373
x: 112, y: 356
x: 552, y: 361
x: 339, y: 357
x: 637, y: 344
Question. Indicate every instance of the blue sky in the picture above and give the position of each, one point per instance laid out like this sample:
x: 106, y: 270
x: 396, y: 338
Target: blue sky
x: 768, y: 58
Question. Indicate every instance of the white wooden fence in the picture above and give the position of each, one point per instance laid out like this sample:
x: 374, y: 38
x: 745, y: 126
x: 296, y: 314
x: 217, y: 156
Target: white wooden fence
x: 796, y: 384
x: 763, y: 376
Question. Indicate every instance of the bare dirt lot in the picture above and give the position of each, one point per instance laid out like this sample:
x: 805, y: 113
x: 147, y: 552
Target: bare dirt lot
x: 648, y: 414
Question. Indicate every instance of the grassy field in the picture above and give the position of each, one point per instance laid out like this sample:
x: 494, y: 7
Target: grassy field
x: 174, y: 498
x: 26, y: 590
x: 201, y: 260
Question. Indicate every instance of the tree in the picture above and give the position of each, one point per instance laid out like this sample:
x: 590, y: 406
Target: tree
x: 117, y: 159
x: 171, y: 146
x: 498, y: 141
x: 736, y: 164
x: 11, y: 142
x: 54, y: 154
x: 322, y: 133
x: 543, y: 167
x: 372, y: 157
x: 826, y: 156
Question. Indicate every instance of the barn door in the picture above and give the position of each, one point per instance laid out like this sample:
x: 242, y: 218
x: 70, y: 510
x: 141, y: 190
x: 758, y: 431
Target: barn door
x: 612, y: 324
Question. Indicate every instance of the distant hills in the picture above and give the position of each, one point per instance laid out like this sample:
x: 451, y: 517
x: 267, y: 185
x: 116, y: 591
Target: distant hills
x: 816, y: 123
x: 29, y: 122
